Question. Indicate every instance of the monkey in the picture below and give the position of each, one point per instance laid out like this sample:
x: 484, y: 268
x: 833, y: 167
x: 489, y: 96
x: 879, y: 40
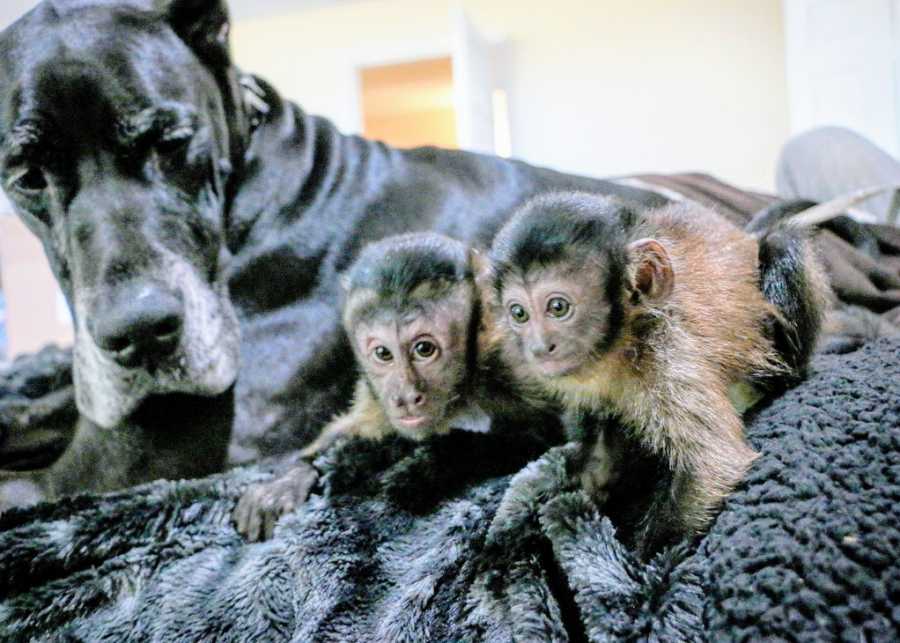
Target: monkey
x: 658, y: 319
x: 416, y: 318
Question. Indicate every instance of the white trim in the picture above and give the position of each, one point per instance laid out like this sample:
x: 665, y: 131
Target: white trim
x: 842, y: 60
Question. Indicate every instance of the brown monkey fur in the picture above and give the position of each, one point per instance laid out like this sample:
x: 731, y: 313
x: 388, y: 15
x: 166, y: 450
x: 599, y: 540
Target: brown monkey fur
x: 655, y: 318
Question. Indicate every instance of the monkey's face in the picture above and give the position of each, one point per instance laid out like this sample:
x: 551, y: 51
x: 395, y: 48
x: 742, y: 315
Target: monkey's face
x: 416, y: 363
x: 556, y: 318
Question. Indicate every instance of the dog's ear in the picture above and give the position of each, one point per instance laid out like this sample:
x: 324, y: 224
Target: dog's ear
x: 203, y: 25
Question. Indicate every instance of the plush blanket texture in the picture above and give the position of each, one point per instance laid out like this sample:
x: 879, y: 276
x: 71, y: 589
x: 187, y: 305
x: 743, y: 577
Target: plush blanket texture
x: 462, y: 539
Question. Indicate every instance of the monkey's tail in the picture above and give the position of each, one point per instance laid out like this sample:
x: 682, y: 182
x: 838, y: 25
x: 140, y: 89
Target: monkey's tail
x: 780, y: 211
x: 792, y: 279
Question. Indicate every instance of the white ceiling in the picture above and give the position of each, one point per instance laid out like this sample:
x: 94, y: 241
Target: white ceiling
x: 240, y: 9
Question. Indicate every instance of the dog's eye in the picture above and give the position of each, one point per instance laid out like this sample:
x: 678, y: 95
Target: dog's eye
x: 29, y: 181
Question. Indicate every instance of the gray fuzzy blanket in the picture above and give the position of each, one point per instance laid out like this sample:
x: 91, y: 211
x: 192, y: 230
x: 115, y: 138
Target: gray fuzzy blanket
x: 463, y: 539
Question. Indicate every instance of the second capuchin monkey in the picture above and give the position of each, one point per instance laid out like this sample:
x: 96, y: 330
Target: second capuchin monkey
x: 655, y: 318
x: 414, y: 317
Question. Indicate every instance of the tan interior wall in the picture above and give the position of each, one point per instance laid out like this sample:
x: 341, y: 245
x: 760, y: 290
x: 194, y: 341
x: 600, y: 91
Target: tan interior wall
x: 409, y: 104
x: 423, y: 127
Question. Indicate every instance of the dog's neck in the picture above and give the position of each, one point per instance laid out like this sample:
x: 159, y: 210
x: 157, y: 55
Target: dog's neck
x: 298, y: 172
x: 261, y: 180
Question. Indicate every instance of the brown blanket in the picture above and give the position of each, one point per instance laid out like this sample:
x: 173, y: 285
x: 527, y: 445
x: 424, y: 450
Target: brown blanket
x: 862, y: 260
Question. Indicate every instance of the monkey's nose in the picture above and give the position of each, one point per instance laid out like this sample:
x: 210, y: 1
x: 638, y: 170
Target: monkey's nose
x: 540, y: 350
x: 409, y: 400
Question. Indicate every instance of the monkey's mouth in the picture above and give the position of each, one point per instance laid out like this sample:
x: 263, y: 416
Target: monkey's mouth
x: 412, y: 421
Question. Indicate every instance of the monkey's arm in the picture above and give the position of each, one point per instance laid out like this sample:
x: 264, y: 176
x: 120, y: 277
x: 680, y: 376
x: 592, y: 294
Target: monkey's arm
x: 602, y: 462
x: 701, y: 438
x: 263, y: 504
x: 365, y: 419
x: 340, y: 427
x: 38, y: 421
x: 601, y: 450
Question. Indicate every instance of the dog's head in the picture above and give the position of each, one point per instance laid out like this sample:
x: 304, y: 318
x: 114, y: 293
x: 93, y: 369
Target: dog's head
x: 118, y: 131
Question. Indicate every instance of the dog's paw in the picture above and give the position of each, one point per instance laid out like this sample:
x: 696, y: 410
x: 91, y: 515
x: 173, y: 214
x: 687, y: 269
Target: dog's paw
x: 263, y: 504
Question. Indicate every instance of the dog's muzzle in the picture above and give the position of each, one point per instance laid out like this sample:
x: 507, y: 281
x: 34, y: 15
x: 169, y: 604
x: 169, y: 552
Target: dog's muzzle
x: 172, y: 332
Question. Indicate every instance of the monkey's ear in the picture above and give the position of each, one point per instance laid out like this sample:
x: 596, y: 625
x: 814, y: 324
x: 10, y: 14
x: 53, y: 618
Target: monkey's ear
x: 481, y: 267
x: 653, y: 273
x: 344, y: 280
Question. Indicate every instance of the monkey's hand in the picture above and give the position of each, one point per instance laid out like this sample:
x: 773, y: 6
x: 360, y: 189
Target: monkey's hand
x: 600, y: 470
x: 263, y: 504
x: 602, y: 451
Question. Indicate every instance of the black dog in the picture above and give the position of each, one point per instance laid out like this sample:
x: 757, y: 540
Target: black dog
x: 197, y: 224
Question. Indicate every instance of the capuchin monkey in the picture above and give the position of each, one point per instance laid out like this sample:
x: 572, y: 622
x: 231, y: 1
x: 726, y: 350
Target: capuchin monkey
x: 420, y: 335
x: 658, y: 319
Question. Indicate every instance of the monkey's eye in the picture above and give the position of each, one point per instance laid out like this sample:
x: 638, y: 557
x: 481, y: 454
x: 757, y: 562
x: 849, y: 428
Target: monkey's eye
x: 382, y: 354
x: 29, y: 181
x: 424, y: 349
x: 518, y: 313
x: 558, y: 307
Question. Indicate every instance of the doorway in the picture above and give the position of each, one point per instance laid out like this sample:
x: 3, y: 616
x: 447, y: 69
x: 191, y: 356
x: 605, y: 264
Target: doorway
x: 410, y: 104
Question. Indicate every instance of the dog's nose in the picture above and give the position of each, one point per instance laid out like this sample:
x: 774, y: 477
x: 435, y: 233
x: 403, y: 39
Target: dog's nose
x: 142, y: 324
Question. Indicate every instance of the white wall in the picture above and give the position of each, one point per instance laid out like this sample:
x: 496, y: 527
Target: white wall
x: 843, y: 64
x: 596, y: 87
